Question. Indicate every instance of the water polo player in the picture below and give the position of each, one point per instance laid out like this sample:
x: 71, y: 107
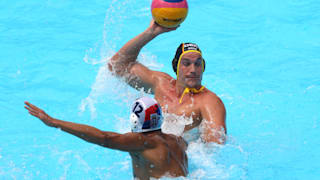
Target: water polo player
x: 154, y: 154
x: 182, y: 97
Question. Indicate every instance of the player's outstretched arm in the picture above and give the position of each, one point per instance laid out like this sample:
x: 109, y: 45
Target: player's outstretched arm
x: 85, y: 132
x: 124, y: 142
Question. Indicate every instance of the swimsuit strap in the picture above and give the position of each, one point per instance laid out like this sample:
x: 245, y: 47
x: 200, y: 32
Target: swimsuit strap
x: 188, y: 90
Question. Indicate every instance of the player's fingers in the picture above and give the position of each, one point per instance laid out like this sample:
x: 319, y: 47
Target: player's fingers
x: 33, y: 113
x: 32, y: 106
x: 27, y: 108
x: 31, y: 109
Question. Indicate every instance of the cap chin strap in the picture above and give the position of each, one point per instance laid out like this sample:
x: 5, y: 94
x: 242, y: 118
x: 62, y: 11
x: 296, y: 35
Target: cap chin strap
x: 188, y: 90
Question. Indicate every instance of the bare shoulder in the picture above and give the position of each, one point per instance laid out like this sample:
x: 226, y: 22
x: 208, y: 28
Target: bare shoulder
x: 212, y: 107
x: 162, y: 76
x: 161, y: 79
x: 139, y: 76
x: 176, y: 140
x: 140, y: 141
x: 210, y: 98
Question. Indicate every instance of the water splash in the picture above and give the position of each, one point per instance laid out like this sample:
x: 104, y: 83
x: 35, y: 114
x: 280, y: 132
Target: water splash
x: 106, y: 85
x: 174, y: 124
x: 206, y: 161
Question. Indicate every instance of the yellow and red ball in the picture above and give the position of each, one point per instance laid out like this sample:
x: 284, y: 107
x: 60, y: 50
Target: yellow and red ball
x: 169, y: 13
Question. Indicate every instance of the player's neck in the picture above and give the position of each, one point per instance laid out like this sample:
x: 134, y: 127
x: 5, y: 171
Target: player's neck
x: 180, y: 88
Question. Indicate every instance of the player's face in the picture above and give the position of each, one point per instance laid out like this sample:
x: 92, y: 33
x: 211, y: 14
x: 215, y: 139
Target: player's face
x: 190, y: 70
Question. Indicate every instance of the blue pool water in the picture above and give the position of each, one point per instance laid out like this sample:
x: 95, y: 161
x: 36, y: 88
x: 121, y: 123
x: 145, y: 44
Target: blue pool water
x: 262, y: 59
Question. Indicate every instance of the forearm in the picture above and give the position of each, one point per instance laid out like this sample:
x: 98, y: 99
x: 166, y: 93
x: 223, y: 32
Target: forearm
x: 213, y: 131
x: 103, y: 138
x: 126, y: 142
x: 133, y: 47
x: 214, y: 135
x: 85, y: 132
x: 130, y: 51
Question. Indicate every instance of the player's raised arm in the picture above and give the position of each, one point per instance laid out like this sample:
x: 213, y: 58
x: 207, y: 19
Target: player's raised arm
x: 124, y: 62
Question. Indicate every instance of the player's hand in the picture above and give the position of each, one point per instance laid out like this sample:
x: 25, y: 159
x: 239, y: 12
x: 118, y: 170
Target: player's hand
x: 39, y: 113
x: 157, y: 29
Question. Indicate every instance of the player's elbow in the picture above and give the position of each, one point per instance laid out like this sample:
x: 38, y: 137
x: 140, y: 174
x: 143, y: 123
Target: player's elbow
x: 216, y: 136
x: 110, y: 66
x: 114, y: 65
x: 220, y: 141
x: 116, y: 69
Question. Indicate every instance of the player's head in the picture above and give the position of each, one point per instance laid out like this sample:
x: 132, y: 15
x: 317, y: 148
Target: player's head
x: 145, y: 115
x: 188, y: 64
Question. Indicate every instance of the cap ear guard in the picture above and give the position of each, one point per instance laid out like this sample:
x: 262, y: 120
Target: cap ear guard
x: 203, y: 65
x: 176, y: 58
x: 174, y: 65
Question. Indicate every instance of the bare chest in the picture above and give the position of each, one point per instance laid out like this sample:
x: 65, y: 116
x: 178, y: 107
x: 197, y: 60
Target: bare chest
x: 188, y: 109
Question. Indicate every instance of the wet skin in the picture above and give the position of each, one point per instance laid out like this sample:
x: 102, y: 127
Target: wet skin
x: 204, y: 108
x: 154, y: 154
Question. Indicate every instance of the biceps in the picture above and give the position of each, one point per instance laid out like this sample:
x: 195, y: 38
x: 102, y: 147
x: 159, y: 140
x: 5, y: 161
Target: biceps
x: 215, y: 116
x: 213, y: 125
x: 124, y: 142
x: 141, y: 77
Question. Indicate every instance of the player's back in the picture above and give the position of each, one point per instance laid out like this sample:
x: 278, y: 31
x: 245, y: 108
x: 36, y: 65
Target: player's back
x: 166, y: 158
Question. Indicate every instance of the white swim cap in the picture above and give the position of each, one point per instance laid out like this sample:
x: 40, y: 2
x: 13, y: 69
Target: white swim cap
x: 145, y: 115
